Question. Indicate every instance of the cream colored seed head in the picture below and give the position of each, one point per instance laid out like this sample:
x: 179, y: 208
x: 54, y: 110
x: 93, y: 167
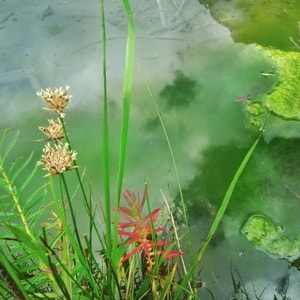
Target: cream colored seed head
x: 58, y: 159
x: 56, y: 100
x: 54, y: 131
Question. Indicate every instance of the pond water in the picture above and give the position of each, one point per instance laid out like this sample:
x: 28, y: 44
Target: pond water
x: 201, y: 79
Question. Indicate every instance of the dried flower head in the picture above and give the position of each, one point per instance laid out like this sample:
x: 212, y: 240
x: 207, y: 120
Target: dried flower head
x: 55, y: 130
x: 57, y: 160
x: 57, y: 100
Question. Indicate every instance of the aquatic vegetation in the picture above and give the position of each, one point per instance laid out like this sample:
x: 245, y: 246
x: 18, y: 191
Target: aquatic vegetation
x: 283, y: 100
x: 54, y: 29
x: 181, y: 92
x: 269, y: 237
x: 45, y: 255
x: 249, y: 24
x: 281, y: 104
x: 256, y: 112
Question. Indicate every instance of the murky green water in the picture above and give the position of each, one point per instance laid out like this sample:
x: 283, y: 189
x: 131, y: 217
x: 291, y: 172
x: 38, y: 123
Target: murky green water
x: 200, y: 79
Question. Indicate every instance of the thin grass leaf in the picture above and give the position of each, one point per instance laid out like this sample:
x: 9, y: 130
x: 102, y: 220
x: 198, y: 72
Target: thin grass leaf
x: 3, y: 137
x: 29, y: 177
x: 127, y: 90
x: 144, y: 289
x: 9, y: 147
x: 5, y: 293
x: 219, y: 215
x: 14, y: 165
x: 10, y: 275
x: 105, y: 138
x: 168, y: 283
x: 34, y: 208
x: 13, y: 192
x: 73, y: 239
x: 170, y: 150
x: 29, y: 242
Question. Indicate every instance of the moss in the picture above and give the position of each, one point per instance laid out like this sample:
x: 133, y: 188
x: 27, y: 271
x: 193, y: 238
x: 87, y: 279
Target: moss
x: 284, y: 100
x: 281, y: 105
x: 266, y: 235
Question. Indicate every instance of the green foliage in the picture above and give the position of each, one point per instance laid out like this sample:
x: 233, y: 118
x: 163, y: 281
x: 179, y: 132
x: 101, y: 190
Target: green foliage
x: 284, y: 100
x: 264, y: 234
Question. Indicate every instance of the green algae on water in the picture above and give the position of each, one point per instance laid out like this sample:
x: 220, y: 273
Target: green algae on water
x: 267, y: 236
x: 269, y: 23
x: 282, y: 104
x: 284, y: 100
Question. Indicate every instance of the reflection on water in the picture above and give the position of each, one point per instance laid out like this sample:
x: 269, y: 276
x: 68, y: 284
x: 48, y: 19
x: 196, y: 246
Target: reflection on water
x: 197, y: 74
x: 272, y: 23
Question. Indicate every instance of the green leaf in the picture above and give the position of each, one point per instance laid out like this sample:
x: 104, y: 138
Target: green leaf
x: 11, y: 277
x: 9, y: 147
x: 218, y: 216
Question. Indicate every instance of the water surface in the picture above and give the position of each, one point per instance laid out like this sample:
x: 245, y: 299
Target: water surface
x: 198, y: 75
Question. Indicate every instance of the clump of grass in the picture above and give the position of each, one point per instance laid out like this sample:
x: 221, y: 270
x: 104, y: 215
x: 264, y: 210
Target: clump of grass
x: 46, y: 257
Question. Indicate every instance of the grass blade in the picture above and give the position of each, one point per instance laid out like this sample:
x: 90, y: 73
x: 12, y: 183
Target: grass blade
x: 218, y: 216
x: 127, y: 89
x: 105, y: 134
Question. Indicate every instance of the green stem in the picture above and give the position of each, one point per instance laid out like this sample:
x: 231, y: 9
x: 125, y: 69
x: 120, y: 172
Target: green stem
x: 105, y: 138
x: 62, y: 176
x: 15, y: 197
x: 75, y: 164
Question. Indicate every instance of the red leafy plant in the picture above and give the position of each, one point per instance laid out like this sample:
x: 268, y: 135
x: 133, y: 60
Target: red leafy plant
x: 140, y: 231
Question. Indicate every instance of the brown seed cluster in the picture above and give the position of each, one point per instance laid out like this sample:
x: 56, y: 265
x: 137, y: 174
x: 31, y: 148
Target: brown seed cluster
x: 57, y: 100
x: 56, y: 158
x: 55, y: 130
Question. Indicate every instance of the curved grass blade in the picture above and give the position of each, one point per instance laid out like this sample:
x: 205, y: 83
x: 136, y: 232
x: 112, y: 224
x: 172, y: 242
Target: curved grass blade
x: 127, y: 89
x: 105, y: 139
x: 9, y: 147
x: 218, y: 216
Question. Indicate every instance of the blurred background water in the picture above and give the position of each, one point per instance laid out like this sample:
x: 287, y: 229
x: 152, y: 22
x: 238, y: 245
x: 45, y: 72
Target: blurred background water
x: 197, y: 73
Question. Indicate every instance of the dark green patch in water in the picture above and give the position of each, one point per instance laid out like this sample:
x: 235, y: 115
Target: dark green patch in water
x: 181, y: 92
